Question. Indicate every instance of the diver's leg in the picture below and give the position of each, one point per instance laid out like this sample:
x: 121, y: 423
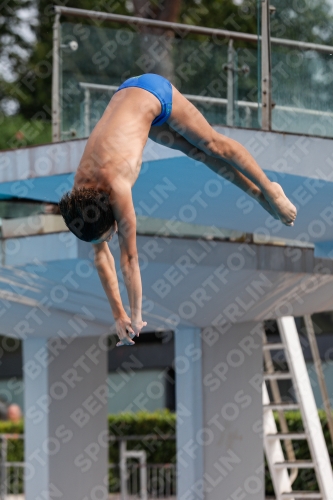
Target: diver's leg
x: 167, y: 136
x: 187, y: 120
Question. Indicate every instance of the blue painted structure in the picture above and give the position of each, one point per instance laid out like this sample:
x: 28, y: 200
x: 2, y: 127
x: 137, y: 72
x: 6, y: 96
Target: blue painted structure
x: 171, y: 185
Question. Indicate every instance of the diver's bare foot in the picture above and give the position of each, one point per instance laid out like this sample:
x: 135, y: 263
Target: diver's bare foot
x: 280, y: 204
x: 260, y: 198
x: 266, y: 206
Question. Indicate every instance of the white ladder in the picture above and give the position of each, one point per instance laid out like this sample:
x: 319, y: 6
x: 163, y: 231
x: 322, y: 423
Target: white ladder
x: 313, y: 433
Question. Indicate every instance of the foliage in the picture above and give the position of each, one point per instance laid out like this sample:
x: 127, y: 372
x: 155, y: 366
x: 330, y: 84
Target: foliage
x: 221, y: 14
x: 18, y: 132
x: 303, y: 21
x: 15, y: 446
x: 15, y: 48
x: 143, y: 423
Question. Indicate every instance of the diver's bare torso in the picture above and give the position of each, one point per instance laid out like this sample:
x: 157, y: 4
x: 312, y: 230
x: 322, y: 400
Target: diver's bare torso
x: 114, y: 149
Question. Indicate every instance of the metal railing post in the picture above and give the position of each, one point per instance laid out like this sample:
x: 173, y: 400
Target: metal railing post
x: 123, y: 470
x: 143, y: 476
x: 56, y: 80
x: 230, y: 85
x: 266, y: 82
x: 86, y: 112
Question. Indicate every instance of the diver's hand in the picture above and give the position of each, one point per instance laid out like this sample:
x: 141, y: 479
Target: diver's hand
x: 124, y: 331
x: 137, y: 326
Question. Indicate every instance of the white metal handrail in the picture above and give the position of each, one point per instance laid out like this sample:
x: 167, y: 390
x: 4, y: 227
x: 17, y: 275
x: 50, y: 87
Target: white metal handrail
x: 216, y: 100
x: 186, y: 28
x: 141, y: 455
x: 195, y: 98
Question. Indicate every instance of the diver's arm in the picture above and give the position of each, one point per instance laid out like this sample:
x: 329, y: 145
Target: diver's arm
x: 129, y: 261
x: 106, y: 269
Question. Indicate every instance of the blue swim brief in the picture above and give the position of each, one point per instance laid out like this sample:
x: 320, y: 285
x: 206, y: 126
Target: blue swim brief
x: 157, y: 85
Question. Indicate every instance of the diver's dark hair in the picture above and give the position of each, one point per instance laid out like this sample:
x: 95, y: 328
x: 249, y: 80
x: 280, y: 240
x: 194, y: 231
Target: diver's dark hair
x: 87, y: 213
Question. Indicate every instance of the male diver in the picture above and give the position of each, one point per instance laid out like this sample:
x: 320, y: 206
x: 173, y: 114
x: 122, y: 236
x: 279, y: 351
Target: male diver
x: 101, y: 199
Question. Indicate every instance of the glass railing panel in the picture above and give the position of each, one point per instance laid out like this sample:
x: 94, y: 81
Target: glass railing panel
x: 246, y: 88
x: 103, y: 56
x: 302, y: 91
x: 222, y: 78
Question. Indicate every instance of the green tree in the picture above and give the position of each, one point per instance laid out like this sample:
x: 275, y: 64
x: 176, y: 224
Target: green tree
x: 15, y: 47
x: 35, y: 85
x: 164, y: 10
x: 307, y: 21
x: 221, y: 14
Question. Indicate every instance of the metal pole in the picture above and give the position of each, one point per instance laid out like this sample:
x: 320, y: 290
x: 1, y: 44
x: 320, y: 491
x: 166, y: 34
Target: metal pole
x: 56, y: 80
x: 143, y: 476
x: 219, y: 100
x: 230, y: 84
x: 86, y: 112
x: 266, y: 90
x: 123, y: 470
x: 320, y: 374
x: 182, y: 29
x: 248, y: 117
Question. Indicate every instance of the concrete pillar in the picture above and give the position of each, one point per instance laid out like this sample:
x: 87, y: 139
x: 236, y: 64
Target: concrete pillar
x: 232, y: 401
x: 65, y: 418
x: 188, y: 368
x: 228, y: 401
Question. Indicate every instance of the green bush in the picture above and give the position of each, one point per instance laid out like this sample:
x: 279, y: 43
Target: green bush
x: 17, y: 132
x: 15, y: 450
x: 144, y: 423
x: 164, y: 451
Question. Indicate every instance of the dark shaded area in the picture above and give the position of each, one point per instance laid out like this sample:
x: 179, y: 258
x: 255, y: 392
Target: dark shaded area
x: 11, y: 360
x: 324, y: 338
x: 150, y: 350
x: 19, y: 207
